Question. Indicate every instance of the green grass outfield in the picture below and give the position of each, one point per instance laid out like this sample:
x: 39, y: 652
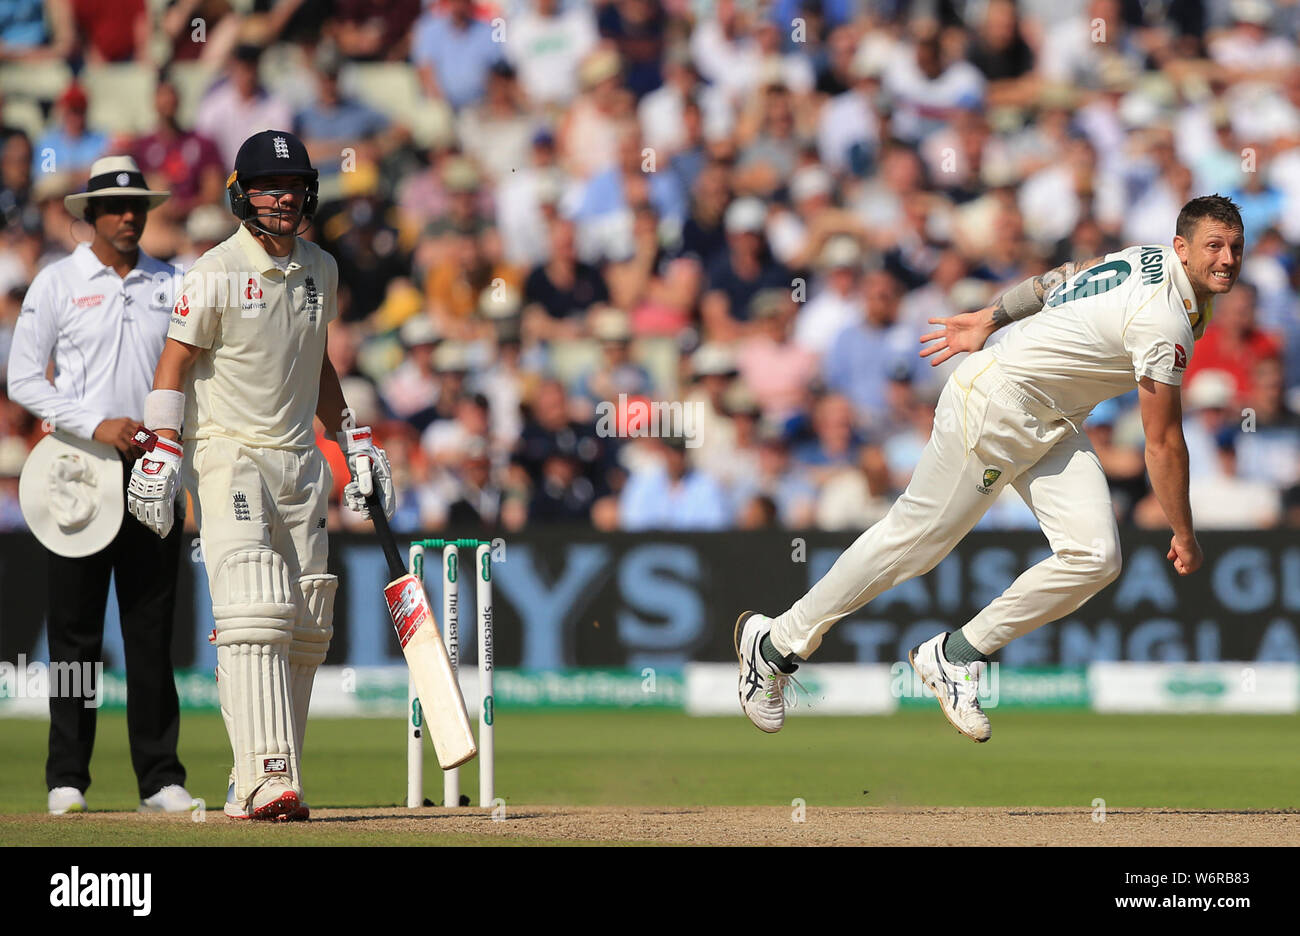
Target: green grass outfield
x: 598, y: 758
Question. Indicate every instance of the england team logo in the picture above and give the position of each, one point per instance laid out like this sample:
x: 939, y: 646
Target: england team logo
x: 281, y: 147
x: 313, y: 301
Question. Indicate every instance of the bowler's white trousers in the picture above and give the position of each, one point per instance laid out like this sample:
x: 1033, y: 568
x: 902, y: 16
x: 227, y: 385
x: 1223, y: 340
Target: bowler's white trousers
x: 988, y: 433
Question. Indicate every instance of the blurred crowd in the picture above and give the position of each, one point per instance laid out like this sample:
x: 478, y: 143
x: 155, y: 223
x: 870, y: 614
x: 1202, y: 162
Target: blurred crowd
x: 545, y: 210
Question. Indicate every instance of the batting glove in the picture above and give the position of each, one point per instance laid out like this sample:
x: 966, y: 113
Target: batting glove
x: 155, y: 478
x: 356, y: 442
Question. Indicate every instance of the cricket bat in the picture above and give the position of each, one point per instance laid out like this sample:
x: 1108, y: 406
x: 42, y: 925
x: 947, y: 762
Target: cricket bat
x: 445, y: 716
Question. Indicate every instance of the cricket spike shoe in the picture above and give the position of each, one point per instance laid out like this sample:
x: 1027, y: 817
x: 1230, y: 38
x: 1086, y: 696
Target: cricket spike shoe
x: 274, y: 801
x: 955, y: 685
x: 762, y: 684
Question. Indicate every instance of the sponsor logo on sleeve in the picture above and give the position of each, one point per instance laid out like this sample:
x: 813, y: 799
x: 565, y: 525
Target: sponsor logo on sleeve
x: 182, y: 308
x: 1180, y: 357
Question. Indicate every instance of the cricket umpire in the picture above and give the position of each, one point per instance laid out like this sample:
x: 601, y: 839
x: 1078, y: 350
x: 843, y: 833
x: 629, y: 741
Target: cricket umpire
x: 101, y: 314
x: 240, y: 380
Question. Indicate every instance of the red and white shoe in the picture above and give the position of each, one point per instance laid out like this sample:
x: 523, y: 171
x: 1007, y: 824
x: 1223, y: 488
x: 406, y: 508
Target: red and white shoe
x: 274, y: 801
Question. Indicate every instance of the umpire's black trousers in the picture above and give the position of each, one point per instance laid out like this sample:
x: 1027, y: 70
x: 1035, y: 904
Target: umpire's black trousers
x: 144, y: 567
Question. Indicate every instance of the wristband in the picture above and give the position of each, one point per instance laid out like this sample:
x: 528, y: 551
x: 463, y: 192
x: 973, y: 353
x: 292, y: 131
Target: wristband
x: 1021, y: 301
x: 164, y: 409
x: 355, y: 440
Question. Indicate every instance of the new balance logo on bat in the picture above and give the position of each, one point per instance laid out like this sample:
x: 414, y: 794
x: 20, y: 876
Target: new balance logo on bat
x: 407, y: 606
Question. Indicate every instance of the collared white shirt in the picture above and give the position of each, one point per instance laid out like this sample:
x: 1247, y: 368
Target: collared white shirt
x: 105, y: 333
x: 262, y: 330
x: 1104, y: 329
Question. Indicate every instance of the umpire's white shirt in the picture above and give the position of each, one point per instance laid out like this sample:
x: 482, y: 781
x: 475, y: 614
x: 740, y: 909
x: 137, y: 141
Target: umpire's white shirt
x: 105, y: 333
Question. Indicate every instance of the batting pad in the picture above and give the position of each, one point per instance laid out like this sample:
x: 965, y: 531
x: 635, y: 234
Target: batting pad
x: 254, y: 612
x: 312, y: 630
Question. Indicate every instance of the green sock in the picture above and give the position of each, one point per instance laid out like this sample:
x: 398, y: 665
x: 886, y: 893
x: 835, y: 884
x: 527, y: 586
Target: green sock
x: 784, y: 663
x: 958, y: 650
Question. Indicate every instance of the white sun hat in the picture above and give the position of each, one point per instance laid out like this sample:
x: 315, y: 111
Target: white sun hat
x: 110, y: 176
x: 70, y: 493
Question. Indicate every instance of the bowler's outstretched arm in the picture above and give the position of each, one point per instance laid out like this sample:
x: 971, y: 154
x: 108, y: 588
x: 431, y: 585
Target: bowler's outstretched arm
x: 968, y: 331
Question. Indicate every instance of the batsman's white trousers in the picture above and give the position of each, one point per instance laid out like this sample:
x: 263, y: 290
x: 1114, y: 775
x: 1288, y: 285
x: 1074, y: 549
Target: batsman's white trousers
x: 261, y: 514
x: 988, y: 433
x: 247, y: 496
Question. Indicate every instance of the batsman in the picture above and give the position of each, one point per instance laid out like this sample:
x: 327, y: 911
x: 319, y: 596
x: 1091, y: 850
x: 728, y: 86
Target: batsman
x: 1011, y: 414
x: 241, y: 376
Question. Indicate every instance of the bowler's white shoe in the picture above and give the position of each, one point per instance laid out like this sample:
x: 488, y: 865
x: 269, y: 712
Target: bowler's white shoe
x: 762, y: 685
x: 956, y: 686
x: 171, y: 798
x: 66, y: 799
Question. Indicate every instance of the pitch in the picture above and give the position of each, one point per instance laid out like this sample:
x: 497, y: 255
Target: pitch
x: 599, y: 777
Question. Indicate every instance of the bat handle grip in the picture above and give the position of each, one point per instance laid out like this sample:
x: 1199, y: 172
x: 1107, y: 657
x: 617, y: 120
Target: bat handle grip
x: 365, y: 482
x: 364, y: 479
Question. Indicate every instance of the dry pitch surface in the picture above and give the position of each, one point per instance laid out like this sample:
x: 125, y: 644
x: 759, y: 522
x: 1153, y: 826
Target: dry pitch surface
x: 756, y: 825
x: 905, y: 779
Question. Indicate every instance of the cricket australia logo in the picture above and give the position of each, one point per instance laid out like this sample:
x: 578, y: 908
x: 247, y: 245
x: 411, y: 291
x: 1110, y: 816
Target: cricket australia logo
x: 281, y: 147
x: 991, y: 476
